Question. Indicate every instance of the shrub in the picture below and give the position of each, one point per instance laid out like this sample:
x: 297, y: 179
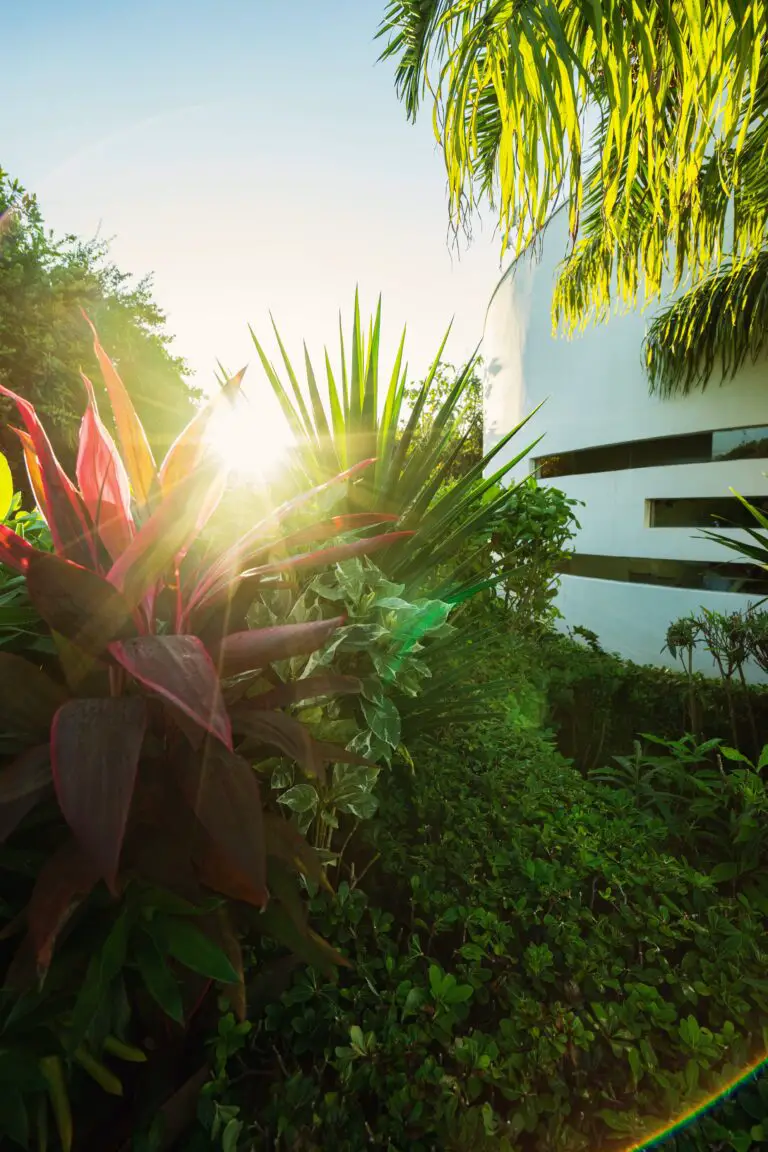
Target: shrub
x: 532, y: 969
x: 148, y: 708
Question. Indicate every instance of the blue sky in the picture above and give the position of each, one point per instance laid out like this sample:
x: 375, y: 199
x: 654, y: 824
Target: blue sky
x: 250, y: 153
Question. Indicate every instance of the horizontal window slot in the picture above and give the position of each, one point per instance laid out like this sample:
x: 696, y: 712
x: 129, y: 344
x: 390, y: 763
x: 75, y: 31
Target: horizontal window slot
x: 693, y: 448
x: 699, y: 574
x: 703, y: 512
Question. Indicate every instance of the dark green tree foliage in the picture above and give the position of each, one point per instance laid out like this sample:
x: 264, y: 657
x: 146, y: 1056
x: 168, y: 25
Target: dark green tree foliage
x: 44, y: 341
x: 469, y: 417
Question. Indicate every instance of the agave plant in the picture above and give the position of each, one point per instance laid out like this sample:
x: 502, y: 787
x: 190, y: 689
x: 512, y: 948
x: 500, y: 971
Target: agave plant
x: 412, y: 477
x: 141, y: 731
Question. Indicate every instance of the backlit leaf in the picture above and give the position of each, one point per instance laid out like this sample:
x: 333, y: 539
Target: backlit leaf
x: 246, y: 651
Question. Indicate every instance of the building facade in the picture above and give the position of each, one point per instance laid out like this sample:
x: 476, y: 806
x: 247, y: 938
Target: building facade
x: 651, y: 472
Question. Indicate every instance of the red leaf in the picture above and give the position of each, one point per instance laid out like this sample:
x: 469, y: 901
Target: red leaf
x: 329, y: 555
x: 14, y: 550
x: 28, y: 698
x: 279, y: 731
x: 77, y: 603
x: 294, y: 692
x: 246, y: 651
x: 33, y: 469
x: 69, y: 525
x: 179, y: 669
x: 64, y: 880
x: 22, y: 784
x: 95, y: 749
x: 190, y: 447
x: 103, y: 481
x: 223, y: 791
x: 168, y: 532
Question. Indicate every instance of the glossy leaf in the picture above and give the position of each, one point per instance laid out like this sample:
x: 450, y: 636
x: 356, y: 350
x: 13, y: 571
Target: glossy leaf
x: 103, y: 481
x: 179, y: 669
x: 23, y: 783
x: 77, y: 603
x: 223, y: 792
x: 247, y: 651
x: 135, y: 449
x: 95, y: 749
x: 15, y: 552
x: 32, y: 465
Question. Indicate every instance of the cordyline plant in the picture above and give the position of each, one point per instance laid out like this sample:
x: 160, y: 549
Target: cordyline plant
x: 148, y: 738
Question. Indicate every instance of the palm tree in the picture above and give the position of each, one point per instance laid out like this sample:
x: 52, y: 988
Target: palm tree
x: 675, y: 176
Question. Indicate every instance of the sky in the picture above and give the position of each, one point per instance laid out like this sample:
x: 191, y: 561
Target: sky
x: 253, y: 156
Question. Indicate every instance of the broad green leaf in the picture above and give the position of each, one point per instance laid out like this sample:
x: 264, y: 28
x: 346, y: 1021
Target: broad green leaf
x: 190, y: 947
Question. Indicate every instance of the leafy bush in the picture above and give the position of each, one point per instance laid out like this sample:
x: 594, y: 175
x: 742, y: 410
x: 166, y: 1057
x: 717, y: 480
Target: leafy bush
x: 598, y: 704
x: 148, y: 707
x: 532, y: 969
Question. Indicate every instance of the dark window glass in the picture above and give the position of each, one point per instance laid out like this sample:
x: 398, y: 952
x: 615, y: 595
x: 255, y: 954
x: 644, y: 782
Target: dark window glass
x: 704, y: 512
x: 746, y: 578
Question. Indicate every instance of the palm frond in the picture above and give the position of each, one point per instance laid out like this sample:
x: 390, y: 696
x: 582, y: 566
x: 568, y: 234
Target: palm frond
x: 711, y: 331
x: 683, y: 89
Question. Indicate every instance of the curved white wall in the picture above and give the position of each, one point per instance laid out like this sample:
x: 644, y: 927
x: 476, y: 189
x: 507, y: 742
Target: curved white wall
x: 596, y: 392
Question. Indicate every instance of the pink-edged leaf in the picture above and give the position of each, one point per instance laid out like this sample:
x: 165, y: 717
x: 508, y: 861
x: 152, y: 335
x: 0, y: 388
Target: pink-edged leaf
x: 23, y: 783
x: 95, y: 749
x: 311, y: 687
x: 247, y: 651
x: 179, y: 669
x: 63, y: 881
x: 33, y: 470
x: 67, y: 519
x: 15, y: 552
x: 136, y: 452
x: 279, y: 731
x: 230, y: 563
x: 167, y: 533
x: 190, y: 446
x: 77, y: 603
x: 103, y: 480
x: 223, y: 792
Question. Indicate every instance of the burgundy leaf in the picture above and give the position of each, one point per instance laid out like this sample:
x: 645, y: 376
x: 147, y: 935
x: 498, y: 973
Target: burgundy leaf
x: 28, y: 698
x: 14, y: 550
x: 285, y: 842
x: 223, y: 791
x: 77, y: 603
x: 329, y: 753
x: 179, y: 669
x: 23, y: 783
x: 70, y: 528
x: 247, y: 651
x: 95, y: 749
x: 329, y: 684
x: 66, y: 877
x: 279, y: 731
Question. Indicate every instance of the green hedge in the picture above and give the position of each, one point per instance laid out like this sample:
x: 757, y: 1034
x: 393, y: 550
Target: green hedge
x: 598, y: 704
x: 532, y: 970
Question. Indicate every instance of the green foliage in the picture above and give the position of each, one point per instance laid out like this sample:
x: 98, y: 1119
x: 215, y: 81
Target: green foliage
x: 533, y: 968
x: 680, y: 93
x: 468, y: 432
x: 44, y: 342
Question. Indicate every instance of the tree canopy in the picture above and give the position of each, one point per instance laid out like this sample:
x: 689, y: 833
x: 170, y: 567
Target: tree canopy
x: 44, y: 341
x: 674, y: 178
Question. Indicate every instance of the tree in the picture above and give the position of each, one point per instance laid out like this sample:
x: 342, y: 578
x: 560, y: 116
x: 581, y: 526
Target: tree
x: 466, y: 445
x: 44, y: 340
x: 675, y: 178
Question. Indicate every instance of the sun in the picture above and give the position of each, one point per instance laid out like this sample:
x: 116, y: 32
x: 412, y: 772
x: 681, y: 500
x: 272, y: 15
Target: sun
x: 251, y: 436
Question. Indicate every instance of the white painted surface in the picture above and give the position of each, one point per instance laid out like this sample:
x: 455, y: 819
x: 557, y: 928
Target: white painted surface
x: 595, y: 390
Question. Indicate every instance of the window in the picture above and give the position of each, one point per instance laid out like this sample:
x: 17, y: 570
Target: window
x: 703, y: 512
x: 696, y: 448
x: 727, y: 577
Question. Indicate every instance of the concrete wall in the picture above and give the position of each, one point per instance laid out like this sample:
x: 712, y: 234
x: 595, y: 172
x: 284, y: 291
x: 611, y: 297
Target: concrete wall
x: 595, y: 390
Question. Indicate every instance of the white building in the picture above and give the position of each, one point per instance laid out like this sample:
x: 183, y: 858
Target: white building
x: 649, y: 471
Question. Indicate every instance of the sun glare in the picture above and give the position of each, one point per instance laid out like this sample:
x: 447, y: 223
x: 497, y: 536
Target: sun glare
x: 252, y: 437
